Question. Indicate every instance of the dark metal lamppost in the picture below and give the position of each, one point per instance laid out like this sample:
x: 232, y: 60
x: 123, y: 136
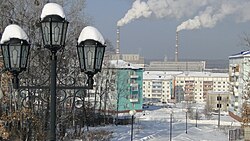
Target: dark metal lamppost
x: 90, y: 48
x: 196, y: 117
x: 186, y: 111
x: 54, y: 28
x: 132, y: 113
x: 171, y: 120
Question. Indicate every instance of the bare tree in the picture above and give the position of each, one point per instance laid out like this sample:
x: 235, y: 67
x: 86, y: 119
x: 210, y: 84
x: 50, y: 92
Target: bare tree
x: 35, y: 103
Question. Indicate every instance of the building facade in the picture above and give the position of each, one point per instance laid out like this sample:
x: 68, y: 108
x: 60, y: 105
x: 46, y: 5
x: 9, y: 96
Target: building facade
x: 239, y: 68
x: 176, y: 66
x: 218, y: 100
x: 128, y: 86
x: 182, y: 86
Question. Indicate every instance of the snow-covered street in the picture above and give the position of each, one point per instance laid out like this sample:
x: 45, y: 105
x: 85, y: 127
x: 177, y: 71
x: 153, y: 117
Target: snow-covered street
x: 154, y: 125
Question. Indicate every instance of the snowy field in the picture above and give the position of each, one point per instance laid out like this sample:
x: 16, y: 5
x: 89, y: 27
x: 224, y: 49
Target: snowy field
x: 154, y: 125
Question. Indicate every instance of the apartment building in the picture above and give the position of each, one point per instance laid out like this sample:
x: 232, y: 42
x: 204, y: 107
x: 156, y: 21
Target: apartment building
x: 194, y: 86
x: 127, y: 93
x: 218, y: 100
x: 157, y: 86
x: 182, y: 86
x: 239, y: 68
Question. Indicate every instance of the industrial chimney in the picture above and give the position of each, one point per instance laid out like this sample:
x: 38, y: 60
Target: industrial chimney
x: 118, y: 42
x: 176, y: 46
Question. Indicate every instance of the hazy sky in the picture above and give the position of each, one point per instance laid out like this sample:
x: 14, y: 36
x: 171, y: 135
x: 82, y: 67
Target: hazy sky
x: 208, y: 29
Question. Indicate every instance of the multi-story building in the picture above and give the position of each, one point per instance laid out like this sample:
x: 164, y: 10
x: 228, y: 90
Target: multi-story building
x: 216, y: 100
x: 127, y: 92
x: 239, y: 68
x: 195, y: 86
x: 180, y: 86
x: 157, y: 86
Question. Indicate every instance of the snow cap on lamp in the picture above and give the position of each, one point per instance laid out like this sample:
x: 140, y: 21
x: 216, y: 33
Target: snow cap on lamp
x: 52, y: 9
x: 13, y: 31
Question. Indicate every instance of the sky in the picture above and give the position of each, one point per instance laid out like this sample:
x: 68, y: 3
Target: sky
x: 208, y: 29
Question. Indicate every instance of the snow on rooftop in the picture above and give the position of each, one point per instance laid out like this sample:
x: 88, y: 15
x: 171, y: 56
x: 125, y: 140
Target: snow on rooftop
x: 123, y: 64
x: 52, y: 9
x: 90, y: 32
x: 241, y: 54
x: 13, y: 31
x: 170, y: 74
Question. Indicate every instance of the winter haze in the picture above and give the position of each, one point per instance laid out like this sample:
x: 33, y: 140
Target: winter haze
x: 208, y: 29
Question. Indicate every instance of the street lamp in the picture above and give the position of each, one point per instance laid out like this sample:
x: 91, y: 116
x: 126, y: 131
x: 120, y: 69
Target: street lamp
x: 54, y: 28
x: 90, y: 49
x: 132, y: 113
x: 15, y: 50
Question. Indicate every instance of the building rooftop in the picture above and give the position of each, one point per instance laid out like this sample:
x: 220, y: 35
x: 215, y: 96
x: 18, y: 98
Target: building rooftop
x: 171, y: 74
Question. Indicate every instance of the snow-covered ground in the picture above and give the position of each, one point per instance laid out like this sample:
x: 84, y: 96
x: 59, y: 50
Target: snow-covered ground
x: 154, y: 125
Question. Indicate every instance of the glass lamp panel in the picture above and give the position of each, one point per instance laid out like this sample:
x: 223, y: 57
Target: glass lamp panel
x: 64, y: 32
x: 89, y: 54
x: 24, y: 57
x: 15, y: 54
x: 99, y: 57
x: 6, y: 57
x: 56, y: 33
x: 46, y: 32
x: 81, y: 57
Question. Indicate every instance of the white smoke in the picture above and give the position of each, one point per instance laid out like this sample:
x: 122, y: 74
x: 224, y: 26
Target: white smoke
x: 206, y: 13
x: 161, y: 9
x: 139, y: 9
x: 209, y: 17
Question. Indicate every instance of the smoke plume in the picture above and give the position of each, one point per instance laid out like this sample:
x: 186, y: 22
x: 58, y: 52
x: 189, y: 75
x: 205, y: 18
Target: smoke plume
x: 209, y: 17
x: 205, y: 13
x: 139, y: 9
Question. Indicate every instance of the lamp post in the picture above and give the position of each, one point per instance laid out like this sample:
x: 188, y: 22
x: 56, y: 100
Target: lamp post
x: 196, y: 117
x: 132, y: 113
x: 15, y: 50
x: 54, y: 28
x: 186, y: 111
x: 171, y: 120
x: 219, y: 106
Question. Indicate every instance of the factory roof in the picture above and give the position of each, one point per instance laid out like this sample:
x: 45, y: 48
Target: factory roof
x: 171, y: 74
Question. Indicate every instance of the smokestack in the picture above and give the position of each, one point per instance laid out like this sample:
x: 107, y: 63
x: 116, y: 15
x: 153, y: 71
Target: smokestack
x: 118, y: 41
x: 176, y: 47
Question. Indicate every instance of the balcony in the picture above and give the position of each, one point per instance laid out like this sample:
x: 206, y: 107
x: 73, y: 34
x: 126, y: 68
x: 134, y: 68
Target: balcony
x: 236, y: 104
x: 236, y: 83
x: 236, y: 73
x: 134, y: 76
x: 134, y: 98
x: 236, y: 93
x: 133, y: 84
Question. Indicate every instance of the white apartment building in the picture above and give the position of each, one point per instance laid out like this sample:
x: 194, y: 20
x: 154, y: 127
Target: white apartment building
x: 166, y: 86
x: 195, y: 86
x: 239, y: 68
x: 157, y: 86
